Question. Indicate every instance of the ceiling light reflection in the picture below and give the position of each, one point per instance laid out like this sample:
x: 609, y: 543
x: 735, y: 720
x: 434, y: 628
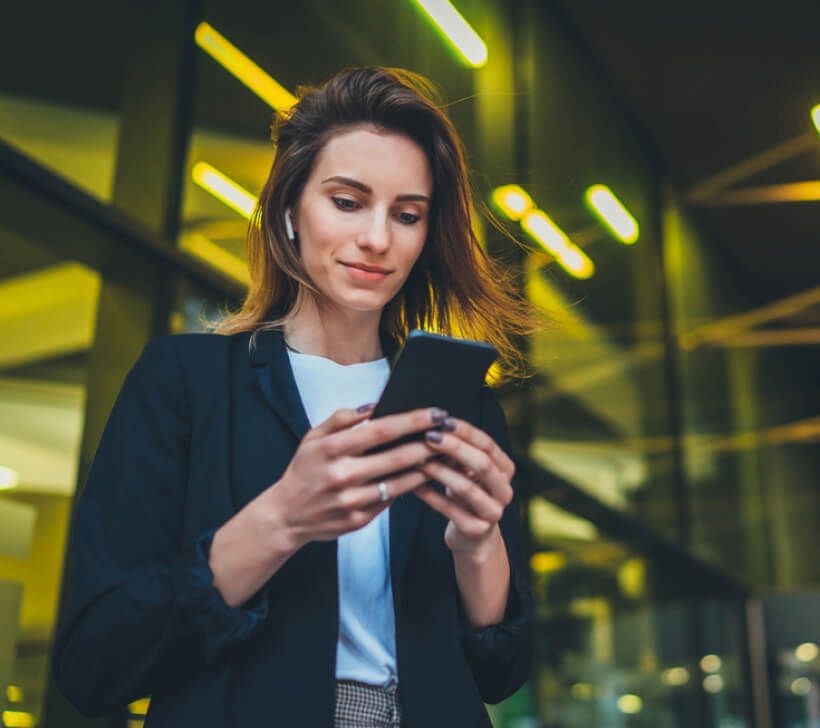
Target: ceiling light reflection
x: 457, y: 30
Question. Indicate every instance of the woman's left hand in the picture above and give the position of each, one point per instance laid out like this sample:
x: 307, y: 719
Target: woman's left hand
x: 477, y: 475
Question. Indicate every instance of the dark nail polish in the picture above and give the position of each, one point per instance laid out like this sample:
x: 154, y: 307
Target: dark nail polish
x: 433, y: 436
x: 449, y: 425
x: 437, y: 415
x: 366, y: 407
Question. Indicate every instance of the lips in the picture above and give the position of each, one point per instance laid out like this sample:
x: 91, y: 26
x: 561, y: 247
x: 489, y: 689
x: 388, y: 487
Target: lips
x: 369, y: 268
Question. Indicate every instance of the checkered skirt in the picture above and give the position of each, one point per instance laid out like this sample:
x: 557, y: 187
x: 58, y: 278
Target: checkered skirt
x: 359, y: 705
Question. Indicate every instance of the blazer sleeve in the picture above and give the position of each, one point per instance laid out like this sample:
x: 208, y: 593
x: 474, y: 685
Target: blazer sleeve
x: 141, y: 611
x: 500, y: 655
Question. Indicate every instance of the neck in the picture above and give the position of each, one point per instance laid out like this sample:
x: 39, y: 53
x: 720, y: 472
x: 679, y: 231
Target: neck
x: 346, y: 337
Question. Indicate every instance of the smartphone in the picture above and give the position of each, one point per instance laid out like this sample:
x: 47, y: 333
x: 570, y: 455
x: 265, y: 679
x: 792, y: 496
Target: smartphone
x: 433, y: 370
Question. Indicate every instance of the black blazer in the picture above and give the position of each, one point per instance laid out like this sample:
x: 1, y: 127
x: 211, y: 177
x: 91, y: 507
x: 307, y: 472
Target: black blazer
x: 202, y: 425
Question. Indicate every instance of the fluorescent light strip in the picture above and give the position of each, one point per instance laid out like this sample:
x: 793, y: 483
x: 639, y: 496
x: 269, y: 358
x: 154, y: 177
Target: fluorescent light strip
x: 457, y: 30
x: 512, y: 201
x: 612, y: 213
x: 555, y: 241
x: 217, y: 257
x: 236, y: 62
x: 224, y: 189
x: 8, y: 479
x: 815, y: 117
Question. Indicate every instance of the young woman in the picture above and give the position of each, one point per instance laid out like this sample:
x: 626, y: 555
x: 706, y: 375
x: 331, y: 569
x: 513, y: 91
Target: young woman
x: 234, y: 553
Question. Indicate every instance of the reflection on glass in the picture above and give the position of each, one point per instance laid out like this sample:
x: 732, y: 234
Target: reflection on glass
x: 60, y: 93
x: 47, y: 317
x: 615, y: 646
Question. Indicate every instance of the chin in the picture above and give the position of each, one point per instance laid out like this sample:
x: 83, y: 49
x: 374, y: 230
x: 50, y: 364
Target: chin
x: 362, y: 303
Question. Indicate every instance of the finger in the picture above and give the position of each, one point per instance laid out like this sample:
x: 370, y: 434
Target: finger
x: 486, y: 470
x: 355, y: 441
x: 390, y: 462
x: 466, y: 522
x: 341, y: 419
x: 470, y: 493
x: 359, y: 517
x: 480, y: 440
x: 367, y: 496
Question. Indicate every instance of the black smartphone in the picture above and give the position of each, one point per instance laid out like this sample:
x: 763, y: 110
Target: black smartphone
x: 433, y: 370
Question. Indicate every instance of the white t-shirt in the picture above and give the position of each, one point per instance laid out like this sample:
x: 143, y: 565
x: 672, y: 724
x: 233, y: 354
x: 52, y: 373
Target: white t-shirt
x: 366, y: 650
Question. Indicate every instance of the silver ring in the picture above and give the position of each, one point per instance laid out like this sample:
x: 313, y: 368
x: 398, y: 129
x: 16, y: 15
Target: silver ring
x: 383, y: 495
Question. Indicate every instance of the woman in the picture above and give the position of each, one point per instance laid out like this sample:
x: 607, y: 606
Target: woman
x: 234, y: 554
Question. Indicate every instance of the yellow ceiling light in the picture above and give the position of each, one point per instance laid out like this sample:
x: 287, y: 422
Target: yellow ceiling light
x: 17, y: 719
x: 512, y: 201
x: 457, y: 30
x: 545, y: 562
x: 8, y: 478
x: 815, y: 117
x: 540, y: 227
x: 612, y: 213
x: 236, y: 62
x: 224, y: 188
x: 630, y: 704
x: 14, y: 693
x: 215, y: 256
x: 576, y: 262
x: 807, y: 652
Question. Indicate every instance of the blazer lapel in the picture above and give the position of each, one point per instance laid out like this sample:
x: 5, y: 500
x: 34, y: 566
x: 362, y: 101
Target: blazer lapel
x: 277, y: 384
x: 274, y: 375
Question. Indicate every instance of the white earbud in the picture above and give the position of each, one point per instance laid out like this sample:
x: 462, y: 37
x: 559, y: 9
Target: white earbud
x: 289, y: 225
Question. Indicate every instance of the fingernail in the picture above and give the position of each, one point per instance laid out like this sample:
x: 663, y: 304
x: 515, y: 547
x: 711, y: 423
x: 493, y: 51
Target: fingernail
x: 437, y: 415
x: 366, y: 407
x: 449, y: 425
x: 433, y: 436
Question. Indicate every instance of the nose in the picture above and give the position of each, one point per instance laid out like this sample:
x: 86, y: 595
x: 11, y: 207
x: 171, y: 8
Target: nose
x: 376, y: 234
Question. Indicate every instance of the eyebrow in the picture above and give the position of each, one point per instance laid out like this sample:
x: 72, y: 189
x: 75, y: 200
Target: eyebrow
x: 409, y: 197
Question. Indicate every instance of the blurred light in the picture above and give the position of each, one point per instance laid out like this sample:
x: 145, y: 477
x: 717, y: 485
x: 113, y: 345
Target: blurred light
x: 713, y: 683
x: 807, y: 652
x: 630, y: 704
x: 139, y: 707
x: 236, y: 62
x: 801, y: 686
x: 512, y: 201
x: 612, y: 213
x: 581, y: 691
x: 8, y: 478
x: 17, y: 719
x: 14, y: 693
x: 576, y: 262
x: 710, y: 663
x: 545, y: 562
x: 631, y: 578
x: 815, y: 117
x: 215, y: 256
x: 675, y: 676
x: 457, y: 30
x: 223, y: 188
x: 555, y: 241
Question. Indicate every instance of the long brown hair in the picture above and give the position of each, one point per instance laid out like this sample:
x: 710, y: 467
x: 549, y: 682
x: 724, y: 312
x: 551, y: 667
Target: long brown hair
x: 454, y: 288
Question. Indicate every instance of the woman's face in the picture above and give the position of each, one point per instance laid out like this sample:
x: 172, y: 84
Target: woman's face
x: 366, y: 203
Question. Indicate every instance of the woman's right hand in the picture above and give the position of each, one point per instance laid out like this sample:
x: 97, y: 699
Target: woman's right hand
x: 330, y: 486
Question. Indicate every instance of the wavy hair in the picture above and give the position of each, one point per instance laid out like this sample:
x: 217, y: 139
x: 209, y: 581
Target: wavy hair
x: 454, y: 288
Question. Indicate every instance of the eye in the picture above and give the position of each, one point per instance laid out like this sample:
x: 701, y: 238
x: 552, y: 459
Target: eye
x: 413, y: 219
x: 338, y: 200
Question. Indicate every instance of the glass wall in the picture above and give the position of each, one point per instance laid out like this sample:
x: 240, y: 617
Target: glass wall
x: 48, y: 310
x: 60, y: 86
x: 666, y: 399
